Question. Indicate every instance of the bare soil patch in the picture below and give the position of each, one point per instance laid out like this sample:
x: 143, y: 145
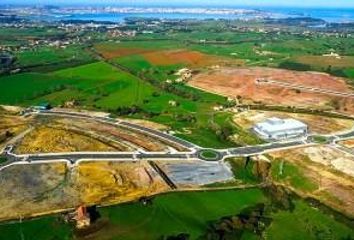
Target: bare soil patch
x: 190, y: 58
x: 36, y: 189
x: 40, y: 189
x: 317, y: 124
x: 348, y: 143
x: 233, y: 82
x: 11, y: 126
x: 120, y: 52
x: 132, y: 140
x: 328, y: 168
x: 113, y: 182
x: 48, y: 140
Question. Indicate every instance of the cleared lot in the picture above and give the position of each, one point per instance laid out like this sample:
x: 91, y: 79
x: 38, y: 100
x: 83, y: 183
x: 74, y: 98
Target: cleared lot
x: 242, y: 82
x: 198, y: 173
x: 317, y: 124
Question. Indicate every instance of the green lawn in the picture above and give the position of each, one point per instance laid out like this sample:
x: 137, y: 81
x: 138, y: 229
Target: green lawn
x: 306, y: 222
x: 177, y: 213
x: 285, y: 172
x: 19, y: 88
x: 209, y: 155
x: 46, y: 228
x: 320, y: 139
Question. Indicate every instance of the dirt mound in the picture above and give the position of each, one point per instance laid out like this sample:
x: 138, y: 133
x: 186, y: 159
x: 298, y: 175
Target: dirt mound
x: 242, y: 82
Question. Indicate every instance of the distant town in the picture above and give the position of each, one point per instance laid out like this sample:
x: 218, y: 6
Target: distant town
x: 176, y: 123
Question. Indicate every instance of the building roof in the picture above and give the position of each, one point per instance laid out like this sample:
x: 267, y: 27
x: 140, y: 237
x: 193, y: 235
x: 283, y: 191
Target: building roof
x: 277, y: 125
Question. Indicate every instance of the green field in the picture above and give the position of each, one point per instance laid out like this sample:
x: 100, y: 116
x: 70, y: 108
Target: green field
x: 46, y: 228
x: 179, y: 213
x: 285, y: 172
x: 45, y: 59
x: 97, y: 84
x: 191, y: 213
x: 152, y: 44
x: 306, y: 222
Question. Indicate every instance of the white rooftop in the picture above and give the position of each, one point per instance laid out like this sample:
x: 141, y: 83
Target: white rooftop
x: 275, y: 124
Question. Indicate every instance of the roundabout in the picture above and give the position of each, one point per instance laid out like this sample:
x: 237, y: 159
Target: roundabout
x: 209, y: 155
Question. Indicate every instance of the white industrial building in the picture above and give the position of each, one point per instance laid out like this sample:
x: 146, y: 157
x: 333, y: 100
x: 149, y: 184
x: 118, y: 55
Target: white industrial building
x: 278, y: 129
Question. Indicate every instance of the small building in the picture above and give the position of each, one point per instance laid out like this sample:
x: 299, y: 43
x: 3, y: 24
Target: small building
x: 82, y: 218
x: 172, y: 103
x: 42, y: 106
x: 279, y: 129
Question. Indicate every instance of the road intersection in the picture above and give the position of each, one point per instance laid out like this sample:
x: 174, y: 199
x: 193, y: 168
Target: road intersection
x: 193, y: 152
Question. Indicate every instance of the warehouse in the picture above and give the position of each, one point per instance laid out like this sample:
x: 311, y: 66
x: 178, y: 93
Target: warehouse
x: 278, y: 129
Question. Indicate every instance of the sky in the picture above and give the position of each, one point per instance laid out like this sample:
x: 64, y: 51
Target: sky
x: 253, y: 3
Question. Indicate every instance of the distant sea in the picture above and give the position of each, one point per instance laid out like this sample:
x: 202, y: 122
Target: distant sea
x: 329, y: 15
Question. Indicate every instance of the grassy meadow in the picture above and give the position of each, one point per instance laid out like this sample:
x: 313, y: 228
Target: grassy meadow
x: 97, y: 84
x: 306, y: 223
x: 191, y: 213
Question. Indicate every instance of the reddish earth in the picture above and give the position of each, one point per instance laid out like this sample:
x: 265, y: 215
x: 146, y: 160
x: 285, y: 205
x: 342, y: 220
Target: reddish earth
x: 190, y: 58
x: 119, y: 52
x: 166, y: 57
x: 234, y: 82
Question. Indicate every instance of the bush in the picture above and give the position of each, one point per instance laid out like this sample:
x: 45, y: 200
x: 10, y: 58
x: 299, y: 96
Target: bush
x: 295, y: 66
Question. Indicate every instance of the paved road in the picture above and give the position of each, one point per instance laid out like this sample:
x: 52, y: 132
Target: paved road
x: 346, y: 135
x: 194, y: 153
x: 134, y: 156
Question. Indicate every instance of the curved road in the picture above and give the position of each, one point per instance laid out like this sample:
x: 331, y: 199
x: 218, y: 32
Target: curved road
x: 194, y: 153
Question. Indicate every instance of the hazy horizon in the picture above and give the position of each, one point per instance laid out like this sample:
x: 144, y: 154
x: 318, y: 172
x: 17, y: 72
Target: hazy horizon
x: 191, y: 3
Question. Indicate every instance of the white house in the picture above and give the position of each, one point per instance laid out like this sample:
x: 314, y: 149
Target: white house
x: 278, y: 129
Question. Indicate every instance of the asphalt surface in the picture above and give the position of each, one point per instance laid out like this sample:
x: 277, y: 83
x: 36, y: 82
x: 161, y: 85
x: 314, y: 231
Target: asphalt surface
x: 134, y: 156
x: 194, y: 154
x: 346, y: 135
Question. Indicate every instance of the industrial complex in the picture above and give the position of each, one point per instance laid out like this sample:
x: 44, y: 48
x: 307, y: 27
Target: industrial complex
x: 278, y: 129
